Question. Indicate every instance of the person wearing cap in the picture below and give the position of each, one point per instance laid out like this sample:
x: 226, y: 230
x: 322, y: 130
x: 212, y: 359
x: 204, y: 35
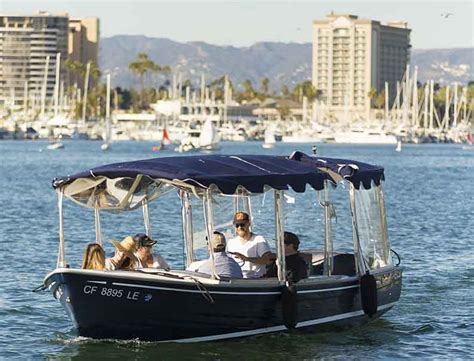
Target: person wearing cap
x: 224, y: 265
x: 145, y: 258
x: 254, y: 250
x: 296, y: 267
x: 124, y: 257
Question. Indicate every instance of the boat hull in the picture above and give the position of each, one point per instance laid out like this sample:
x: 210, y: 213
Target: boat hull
x: 127, y: 305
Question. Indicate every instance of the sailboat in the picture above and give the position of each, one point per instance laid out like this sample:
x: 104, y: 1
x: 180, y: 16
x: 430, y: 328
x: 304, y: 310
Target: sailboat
x: 207, y: 139
x: 399, y: 146
x: 269, y: 138
x: 470, y: 144
x: 55, y: 143
x: 165, y: 140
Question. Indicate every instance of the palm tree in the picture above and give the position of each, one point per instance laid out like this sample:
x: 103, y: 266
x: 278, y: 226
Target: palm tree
x: 264, y: 86
x: 371, y: 95
x: 142, y: 65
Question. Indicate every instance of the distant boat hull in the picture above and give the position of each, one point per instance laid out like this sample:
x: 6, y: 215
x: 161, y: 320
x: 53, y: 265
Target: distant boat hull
x: 54, y: 146
x: 170, y: 307
x: 364, y: 137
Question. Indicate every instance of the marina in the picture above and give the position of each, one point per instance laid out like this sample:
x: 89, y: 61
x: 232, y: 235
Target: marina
x: 218, y: 183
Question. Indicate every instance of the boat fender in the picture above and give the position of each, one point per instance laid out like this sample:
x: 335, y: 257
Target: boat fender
x: 289, y: 304
x: 368, y: 293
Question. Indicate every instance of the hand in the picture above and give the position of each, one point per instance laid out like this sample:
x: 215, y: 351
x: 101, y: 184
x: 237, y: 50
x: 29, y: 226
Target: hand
x: 240, y: 255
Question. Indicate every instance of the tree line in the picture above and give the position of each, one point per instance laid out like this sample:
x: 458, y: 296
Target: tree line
x: 143, y: 67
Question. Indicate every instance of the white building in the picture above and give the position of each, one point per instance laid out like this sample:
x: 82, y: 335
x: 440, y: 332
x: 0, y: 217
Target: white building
x: 351, y: 56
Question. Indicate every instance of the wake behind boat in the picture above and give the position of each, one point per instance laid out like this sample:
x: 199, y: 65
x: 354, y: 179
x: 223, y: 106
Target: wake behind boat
x: 343, y: 286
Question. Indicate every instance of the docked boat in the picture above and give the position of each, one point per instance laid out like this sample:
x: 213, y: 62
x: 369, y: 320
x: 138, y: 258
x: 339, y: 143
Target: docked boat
x: 364, y: 136
x: 343, y: 287
x: 269, y: 138
x: 204, y: 139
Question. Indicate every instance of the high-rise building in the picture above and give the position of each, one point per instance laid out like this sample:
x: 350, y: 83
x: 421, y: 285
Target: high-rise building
x: 25, y: 44
x: 84, y: 39
x: 27, y: 41
x: 351, y: 56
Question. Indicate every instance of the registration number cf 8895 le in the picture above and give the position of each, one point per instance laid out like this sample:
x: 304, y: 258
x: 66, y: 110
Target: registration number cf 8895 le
x: 111, y: 292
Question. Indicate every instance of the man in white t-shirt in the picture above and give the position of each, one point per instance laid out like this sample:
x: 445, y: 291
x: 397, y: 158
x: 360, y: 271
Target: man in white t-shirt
x: 252, y: 252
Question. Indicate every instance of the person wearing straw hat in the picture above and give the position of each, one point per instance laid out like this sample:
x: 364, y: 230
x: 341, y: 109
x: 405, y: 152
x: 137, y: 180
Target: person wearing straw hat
x: 124, y: 257
x: 224, y: 265
x: 145, y: 257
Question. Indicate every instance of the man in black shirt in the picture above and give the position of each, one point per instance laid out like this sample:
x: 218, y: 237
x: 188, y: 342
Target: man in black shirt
x: 296, y: 267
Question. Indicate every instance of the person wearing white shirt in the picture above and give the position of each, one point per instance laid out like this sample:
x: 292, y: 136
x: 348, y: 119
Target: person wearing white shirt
x: 251, y: 251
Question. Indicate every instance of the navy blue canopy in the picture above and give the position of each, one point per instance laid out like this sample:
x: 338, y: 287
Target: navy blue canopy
x: 355, y: 172
x: 227, y: 172
x: 252, y: 172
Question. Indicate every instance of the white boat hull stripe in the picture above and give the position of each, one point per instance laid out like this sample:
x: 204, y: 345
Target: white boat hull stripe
x: 227, y: 292
x: 278, y: 328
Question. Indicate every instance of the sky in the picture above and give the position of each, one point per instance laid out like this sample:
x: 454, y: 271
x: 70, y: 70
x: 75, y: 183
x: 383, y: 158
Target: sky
x: 245, y: 22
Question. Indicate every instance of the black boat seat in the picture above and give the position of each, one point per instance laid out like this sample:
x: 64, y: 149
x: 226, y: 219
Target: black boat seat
x: 343, y: 264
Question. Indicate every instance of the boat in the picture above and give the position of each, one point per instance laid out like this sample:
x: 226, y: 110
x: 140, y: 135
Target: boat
x: 399, y: 146
x: 470, y: 144
x: 345, y: 287
x: 364, y: 136
x: 165, y: 140
x: 205, y: 139
x: 55, y: 145
x: 269, y: 138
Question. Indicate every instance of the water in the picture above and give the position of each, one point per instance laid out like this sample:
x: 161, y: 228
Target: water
x: 430, y: 214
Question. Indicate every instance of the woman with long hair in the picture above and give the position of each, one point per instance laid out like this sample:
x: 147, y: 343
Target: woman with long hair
x: 94, y: 257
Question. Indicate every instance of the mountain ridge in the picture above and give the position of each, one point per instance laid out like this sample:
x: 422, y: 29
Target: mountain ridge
x: 282, y: 63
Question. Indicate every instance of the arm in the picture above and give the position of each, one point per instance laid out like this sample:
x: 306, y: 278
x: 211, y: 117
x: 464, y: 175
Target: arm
x: 266, y: 258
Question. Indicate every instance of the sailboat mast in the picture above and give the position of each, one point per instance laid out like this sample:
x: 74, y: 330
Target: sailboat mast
x: 86, y: 85
x: 45, y: 84
x: 56, y: 84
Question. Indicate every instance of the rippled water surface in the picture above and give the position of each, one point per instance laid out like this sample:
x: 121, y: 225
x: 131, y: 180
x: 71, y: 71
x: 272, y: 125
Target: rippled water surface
x: 430, y: 212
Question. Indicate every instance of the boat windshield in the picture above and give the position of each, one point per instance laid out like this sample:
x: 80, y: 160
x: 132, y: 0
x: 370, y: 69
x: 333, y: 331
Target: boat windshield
x: 372, y: 227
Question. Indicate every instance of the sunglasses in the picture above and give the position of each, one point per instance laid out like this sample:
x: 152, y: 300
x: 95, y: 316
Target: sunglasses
x: 241, y: 225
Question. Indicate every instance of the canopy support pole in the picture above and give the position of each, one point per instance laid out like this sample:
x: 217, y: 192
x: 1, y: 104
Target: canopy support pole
x: 61, y: 262
x: 359, y: 258
x: 209, y: 219
x: 146, y: 218
x: 279, y: 233
x: 328, y: 246
x: 187, y: 221
x: 383, y: 222
x: 98, y: 229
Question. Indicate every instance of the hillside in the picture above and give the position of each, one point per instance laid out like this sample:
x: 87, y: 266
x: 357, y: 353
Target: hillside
x: 282, y: 63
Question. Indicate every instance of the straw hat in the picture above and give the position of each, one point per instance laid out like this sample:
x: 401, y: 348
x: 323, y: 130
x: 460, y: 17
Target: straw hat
x: 127, y: 246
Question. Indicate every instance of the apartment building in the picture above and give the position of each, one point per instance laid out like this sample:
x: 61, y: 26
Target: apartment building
x: 351, y: 56
x: 25, y: 44
x: 84, y: 39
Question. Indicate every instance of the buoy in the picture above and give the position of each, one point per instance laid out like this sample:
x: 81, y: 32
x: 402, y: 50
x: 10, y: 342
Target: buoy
x: 368, y: 294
